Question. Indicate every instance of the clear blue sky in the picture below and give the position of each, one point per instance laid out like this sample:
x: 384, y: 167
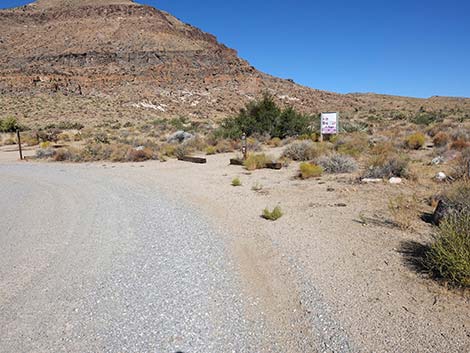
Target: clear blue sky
x: 416, y: 48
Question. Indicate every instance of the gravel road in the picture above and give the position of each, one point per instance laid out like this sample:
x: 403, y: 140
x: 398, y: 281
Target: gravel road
x: 91, y: 262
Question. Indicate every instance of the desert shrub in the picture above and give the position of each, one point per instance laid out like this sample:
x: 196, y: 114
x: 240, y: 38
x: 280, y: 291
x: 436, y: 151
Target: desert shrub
x: 119, y: 153
x: 65, y: 125
x: 337, y: 163
x: 415, y: 141
x: 404, y: 211
x: 45, y: 144
x: 427, y: 118
x: 51, y: 135
x: 457, y: 197
x: 197, y: 143
x: 210, y: 150
x: 273, y: 215
x: 355, y: 126
x: 257, y: 187
x: 29, y: 139
x: 236, y: 182
x: 224, y: 146
x: 448, y: 256
x: 302, y: 151
x: 352, y: 144
x: 64, y: 137
x: 44, y: 153
x: 168, y: 150
x: 183, y: 150
x: 9, y: 125
x: 256, y: 161
x: 440, y: 139
x: 275, y: 142
x: 101, y: 137
x: 7, y: 141
x: 253, y: 145
x: 386, y: 166
x: 459, y: 144
x: 139, y: 155
x: 462, y: 164
x: 309, y: 170
x: 62, y: 154
x: 264, y: 117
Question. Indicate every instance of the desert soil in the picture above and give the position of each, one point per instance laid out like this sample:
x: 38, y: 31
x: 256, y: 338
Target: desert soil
x: 331, y: 275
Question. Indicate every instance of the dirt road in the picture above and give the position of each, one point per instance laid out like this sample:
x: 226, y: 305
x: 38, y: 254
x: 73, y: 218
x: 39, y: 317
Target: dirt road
x: 92, y: 262
x: 169, y: 257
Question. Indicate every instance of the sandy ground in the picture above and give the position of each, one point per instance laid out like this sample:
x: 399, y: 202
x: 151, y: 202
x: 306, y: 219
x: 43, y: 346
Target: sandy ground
x: 331, y: 269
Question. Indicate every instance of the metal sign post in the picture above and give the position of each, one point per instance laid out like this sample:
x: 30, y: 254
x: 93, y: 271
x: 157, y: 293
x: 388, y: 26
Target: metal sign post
x: 19, y: 144
x: 244, y: 149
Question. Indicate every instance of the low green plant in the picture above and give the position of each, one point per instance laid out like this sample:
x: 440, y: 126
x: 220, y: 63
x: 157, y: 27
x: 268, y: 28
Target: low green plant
x: 257, y: 187
x: 210, y: 150
x: 236, y: 182
x: 415, y: 141
x: 273, y: 215
x: 448, y: 256
x: 309, y: 170
x: 9, y: 125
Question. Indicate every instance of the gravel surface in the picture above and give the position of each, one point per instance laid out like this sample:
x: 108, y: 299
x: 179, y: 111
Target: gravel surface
x: 91, y: 262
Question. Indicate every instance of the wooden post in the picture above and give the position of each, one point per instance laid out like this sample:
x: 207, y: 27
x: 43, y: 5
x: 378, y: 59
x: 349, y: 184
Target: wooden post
x: 19, y: 144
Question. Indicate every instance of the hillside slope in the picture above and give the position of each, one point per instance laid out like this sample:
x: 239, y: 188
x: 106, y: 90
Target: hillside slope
x: 109, y: 59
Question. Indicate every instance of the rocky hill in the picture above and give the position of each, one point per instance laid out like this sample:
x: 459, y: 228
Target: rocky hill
x: 113, y: 59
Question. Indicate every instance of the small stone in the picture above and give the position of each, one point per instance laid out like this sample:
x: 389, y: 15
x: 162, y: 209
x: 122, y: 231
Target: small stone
x: 438, y: 160
x: 441, y: 176
x: 395, y: 180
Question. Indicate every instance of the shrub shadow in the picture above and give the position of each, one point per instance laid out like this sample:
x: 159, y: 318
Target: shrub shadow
x: 413, y: 255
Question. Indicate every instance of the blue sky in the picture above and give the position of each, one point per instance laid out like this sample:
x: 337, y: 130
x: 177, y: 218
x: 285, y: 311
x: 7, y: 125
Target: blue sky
x: 415, y: 48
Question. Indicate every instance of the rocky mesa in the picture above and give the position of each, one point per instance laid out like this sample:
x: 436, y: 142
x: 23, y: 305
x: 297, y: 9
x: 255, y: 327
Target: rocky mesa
x: 62, y: 59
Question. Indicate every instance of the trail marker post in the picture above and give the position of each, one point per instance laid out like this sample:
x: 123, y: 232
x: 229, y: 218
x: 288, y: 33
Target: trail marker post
x: 19, y: 144
x: 244, y: 147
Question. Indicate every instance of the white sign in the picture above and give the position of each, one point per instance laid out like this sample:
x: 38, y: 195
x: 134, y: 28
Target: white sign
x: 329, y: 123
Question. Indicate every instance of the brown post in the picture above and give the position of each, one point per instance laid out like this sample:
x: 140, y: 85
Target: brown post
x: 19, y: 144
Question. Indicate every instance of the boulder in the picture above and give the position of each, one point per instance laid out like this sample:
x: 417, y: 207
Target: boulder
x: 180, y: 136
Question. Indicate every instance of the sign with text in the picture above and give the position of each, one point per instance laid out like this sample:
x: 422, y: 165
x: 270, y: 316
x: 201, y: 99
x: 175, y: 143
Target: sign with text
x: 329, y: 123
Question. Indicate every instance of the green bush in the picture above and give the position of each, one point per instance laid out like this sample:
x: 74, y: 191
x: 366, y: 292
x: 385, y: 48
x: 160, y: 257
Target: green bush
x: 309, y: 170
x: 210, y: 150
x: 427, y: 118
x: 236, y: 182
x: 9, y: 125
x: 273, y: 215
x: 449, y: 255
x: 264, y: 117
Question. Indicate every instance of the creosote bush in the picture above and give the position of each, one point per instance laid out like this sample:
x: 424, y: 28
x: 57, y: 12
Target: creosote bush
x: 273, y: 215
x: 264, y: 117
x: 415, y: 141
x: 448, y: 256
x: 309, y: 170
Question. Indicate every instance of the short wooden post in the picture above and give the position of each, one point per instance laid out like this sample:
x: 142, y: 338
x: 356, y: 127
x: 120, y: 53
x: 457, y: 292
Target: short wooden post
x: 19, y: 144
